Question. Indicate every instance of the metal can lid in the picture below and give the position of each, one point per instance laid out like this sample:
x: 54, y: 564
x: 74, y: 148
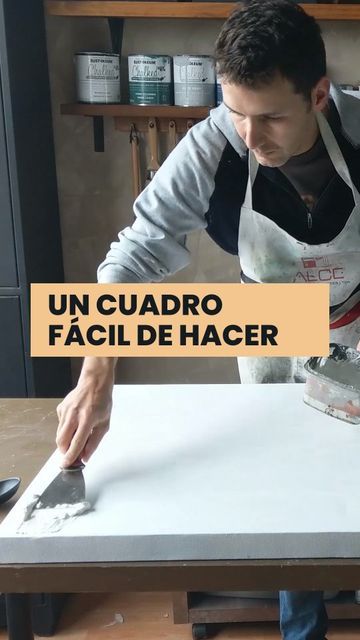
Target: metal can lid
x: 149, y: 55
x: 193, y: 55
x: 97, y: 53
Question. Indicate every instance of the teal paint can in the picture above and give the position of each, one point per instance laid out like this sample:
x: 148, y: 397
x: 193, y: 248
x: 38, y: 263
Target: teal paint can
x: 150, y: 79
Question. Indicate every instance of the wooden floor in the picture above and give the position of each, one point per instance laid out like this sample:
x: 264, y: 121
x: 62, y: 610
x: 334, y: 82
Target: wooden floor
x: 148, y: 616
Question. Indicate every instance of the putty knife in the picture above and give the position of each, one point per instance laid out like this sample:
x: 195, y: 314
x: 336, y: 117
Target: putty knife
x: 67, y: 488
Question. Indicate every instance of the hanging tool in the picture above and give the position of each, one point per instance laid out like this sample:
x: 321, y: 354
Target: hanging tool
x: 153, y: 164
x: 135, y: 160
x: 189, y: 124
x: 172, y: 135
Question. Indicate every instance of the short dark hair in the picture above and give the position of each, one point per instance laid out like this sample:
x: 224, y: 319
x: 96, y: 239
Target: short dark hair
x: 264, y: 37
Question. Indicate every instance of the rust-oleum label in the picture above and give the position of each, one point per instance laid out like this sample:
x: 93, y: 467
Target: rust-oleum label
x: 97, y: 77
x: 194, y: 81
x: 150, y: 80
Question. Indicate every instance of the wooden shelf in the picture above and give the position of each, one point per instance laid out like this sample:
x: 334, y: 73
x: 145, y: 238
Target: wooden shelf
x: 211, y: 10
x: 127, y: 115
x: 134, y: 111
x: 118, y: 8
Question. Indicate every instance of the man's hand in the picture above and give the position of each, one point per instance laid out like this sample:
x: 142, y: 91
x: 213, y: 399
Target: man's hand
x: 84, y: 414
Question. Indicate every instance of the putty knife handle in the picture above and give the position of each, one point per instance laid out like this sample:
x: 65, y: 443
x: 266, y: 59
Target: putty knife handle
x: 75, y: 466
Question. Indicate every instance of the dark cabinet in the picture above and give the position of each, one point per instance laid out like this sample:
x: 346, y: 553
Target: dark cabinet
x: 30, y: 244
x: 12, y: 366
x: 8, y: 271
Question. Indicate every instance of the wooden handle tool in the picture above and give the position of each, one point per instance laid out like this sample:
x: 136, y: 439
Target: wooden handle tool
x: 172, y: 135
x: 135, y: 161
x: 153, y: 164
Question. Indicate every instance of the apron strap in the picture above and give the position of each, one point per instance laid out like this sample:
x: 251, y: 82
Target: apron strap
x: 253, y: 166
x: 336, y: 155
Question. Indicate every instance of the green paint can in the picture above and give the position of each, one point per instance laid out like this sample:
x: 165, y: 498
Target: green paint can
x: 150, y: 80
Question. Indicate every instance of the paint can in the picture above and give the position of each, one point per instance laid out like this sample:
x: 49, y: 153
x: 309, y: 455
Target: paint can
x: 194, y: 81
x: 97, y: 77
x: 219, y: 94
x: 150, y: 79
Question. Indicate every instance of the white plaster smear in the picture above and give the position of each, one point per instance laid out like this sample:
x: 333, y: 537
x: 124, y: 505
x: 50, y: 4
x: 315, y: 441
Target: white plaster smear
x: 41, y: 521
x: 38, y: 522
x: 193, y: 472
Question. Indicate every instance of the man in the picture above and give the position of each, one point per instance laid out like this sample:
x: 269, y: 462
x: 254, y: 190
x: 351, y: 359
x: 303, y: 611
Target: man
x: 273, y: 176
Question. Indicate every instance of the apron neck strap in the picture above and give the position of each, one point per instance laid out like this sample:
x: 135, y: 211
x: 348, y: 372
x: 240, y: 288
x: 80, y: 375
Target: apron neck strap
x: 336, y: 155
x: 253, y: 166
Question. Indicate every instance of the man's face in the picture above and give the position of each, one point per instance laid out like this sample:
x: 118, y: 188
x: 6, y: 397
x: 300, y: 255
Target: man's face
x: 275, y: 122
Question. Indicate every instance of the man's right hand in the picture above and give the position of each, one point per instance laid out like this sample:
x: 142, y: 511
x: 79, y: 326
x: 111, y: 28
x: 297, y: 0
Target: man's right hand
x: 84, y: 414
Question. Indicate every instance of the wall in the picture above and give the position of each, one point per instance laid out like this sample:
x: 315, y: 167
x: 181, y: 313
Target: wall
x: 95, y: 188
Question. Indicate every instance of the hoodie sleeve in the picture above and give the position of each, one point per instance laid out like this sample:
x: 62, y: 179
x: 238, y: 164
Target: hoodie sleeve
x: 173, y: 205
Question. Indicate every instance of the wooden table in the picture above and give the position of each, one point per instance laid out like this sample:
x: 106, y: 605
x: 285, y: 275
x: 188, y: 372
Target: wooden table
x: 27, y: 429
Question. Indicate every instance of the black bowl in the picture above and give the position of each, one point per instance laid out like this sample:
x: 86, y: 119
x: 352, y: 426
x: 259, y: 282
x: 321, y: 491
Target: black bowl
x: 8, y: 488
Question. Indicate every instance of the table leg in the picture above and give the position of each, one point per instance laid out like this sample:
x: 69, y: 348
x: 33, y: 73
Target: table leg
x: 18, y: 613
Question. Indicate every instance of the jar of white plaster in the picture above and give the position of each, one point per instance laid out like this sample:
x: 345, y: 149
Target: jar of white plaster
x: 97, y: 77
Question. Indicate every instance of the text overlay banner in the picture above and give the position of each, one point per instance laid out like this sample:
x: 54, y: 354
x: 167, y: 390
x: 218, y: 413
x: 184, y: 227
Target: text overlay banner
x: 179, y: 320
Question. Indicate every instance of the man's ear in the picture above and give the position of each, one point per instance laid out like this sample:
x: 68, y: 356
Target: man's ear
x: 320, y: 94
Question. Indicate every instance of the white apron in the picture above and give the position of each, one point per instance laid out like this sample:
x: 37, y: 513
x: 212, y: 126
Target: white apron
x: 269, y: 254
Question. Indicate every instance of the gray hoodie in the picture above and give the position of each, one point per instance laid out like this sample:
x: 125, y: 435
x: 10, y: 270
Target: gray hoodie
x: 176, y: 201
